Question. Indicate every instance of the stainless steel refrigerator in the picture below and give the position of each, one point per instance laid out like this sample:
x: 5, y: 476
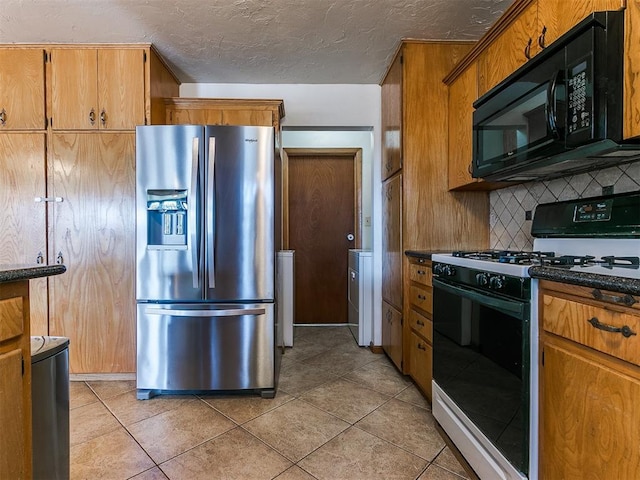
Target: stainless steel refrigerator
x: 205, y: 211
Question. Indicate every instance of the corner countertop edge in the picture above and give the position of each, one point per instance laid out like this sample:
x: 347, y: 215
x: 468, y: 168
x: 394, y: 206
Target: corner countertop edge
x: 592, y: 280
x: 16, y: 273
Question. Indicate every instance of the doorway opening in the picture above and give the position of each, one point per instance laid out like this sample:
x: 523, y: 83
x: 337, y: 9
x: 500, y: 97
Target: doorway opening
x: 322, y: 220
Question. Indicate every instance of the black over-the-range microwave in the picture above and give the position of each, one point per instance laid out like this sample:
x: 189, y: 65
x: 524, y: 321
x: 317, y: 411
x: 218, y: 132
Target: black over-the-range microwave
x: 561, y: 112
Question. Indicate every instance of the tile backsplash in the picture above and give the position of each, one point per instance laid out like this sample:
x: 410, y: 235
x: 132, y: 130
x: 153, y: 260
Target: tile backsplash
x: 510, y: 228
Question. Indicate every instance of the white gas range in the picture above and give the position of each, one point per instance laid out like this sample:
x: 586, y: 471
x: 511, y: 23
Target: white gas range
x: 485, y: 387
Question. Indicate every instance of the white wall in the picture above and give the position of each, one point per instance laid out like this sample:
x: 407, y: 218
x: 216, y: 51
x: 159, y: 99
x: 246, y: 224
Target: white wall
x: 316, y: 114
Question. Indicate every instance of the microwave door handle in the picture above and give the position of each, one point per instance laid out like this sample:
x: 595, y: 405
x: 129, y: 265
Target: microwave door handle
x: 552, y: 121
x: 192, y: 211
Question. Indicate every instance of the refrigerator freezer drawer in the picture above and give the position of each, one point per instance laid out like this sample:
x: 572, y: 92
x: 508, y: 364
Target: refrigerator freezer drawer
x: 191, y: 347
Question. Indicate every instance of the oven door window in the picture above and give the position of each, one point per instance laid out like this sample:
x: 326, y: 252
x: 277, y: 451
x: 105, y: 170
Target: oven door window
x: 481, y: 361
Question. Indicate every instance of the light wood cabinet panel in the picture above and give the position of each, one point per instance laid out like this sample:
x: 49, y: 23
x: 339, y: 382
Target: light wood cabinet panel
x: 589, y: 385
x: 421, y: 363
x: 22, y: 87
x: 420, y: 273
x: 462, y: 93
x: 23, y: 221
x: 392, y: 335
x: 215, y: 111
x: 421, y: 298
x: 631, y: 109
x: 15, y: 381
x: 392, y: 241
x: 392, y: 119
x: 121, y: 88
x: 12, y: 444
x: 575, y: 321
x: 507, y: 52
x: 194, y: 117
x: 93, y: 235
x: 422, y: 325
x: 96, y: 89
x: 74, y: 94
x: 590, y: 424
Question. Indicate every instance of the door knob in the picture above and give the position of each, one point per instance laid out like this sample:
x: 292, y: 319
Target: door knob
x: 350, y: 237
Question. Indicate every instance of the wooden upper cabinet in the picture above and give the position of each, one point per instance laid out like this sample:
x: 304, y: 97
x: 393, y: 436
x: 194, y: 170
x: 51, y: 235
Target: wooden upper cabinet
x: 22, y: 80
x: 391, y: 91
x: 556, y: 17
x: 462, y: 94
x: 215, y: 111
x: 507, y: 52
x: 97, y: 89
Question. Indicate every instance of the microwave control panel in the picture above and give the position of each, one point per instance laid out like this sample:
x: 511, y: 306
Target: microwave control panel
x: 579, y: 97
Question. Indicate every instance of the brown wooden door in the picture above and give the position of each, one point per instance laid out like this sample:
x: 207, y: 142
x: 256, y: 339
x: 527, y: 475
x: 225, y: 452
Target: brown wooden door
x: 121, y: 88
x: 321, y: 215
x: 23, y: 221
x: 74, y: 76
x: 22, y: 89
x: 93, y: 303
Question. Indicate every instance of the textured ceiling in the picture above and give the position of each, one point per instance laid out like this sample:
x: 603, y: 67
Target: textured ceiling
x: 254, y: 41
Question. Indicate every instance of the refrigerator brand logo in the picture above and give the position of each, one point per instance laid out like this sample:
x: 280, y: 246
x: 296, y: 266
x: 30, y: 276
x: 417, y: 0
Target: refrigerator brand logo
x: 252, y: 140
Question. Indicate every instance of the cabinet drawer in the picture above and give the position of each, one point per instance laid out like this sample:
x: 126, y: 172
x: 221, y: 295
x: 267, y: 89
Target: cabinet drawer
x: 420, y: 273
x: 575, y: 321
x: 421, y: 298
x: 420, y: 363
x: 421, y: 324
x: 11, y: 324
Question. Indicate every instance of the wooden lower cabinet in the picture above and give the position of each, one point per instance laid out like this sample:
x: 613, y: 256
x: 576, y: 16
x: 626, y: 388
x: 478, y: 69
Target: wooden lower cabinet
x: 93, y: 234
x: 392, y: 333
x: 589, y: 386
x: 15, y: 381
x: 419, y: 308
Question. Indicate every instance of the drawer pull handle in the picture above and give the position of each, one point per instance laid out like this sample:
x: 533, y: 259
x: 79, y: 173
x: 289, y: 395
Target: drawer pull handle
x: 421, y: 347
x: 421, y: 272
x: 420, y: 323
x: 625, y: 331
x: 627, y: 300
x: 422, y: 297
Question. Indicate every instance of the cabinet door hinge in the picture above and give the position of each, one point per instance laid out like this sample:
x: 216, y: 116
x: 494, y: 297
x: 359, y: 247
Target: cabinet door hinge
x: 146, y: 122
x: 46, y: 123
x: 542, y: 358
x: 144, y: 57
x: 51, y: 121
x: 401, y: 59
x: 23, y: 366
x: 46, y: 57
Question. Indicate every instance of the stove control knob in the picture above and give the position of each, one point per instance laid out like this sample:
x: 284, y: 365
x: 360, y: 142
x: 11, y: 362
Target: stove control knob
x: 482, y: 279
x: 496, y: 283
x: 448, y: 271
x: 437, y: 269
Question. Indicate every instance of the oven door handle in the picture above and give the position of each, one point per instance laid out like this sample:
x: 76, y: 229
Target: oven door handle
x: 512, y: 307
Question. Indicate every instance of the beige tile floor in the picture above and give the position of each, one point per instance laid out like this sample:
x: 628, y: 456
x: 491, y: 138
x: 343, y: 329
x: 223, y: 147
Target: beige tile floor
x: 341, y: 412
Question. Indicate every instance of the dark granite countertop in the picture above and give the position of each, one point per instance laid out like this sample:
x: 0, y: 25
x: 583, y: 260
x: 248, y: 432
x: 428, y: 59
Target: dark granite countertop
x: 423, y: 253
x: 592, y: 280
x: 15, y: 273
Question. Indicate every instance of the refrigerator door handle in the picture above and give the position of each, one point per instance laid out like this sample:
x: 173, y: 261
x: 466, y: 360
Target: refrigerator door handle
x: 211, y: 232
x: 231, y: 312
x: 192, y: 226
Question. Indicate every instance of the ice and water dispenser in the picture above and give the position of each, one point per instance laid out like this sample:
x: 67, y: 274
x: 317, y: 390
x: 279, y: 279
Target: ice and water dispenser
x: 167, y: 219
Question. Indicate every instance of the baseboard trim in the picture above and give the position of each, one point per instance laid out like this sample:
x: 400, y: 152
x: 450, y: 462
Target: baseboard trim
x: 95, y: 377
x: 376, y: 348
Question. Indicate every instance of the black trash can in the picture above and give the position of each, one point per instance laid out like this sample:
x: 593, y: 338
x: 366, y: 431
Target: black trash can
x: 50, y: 407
